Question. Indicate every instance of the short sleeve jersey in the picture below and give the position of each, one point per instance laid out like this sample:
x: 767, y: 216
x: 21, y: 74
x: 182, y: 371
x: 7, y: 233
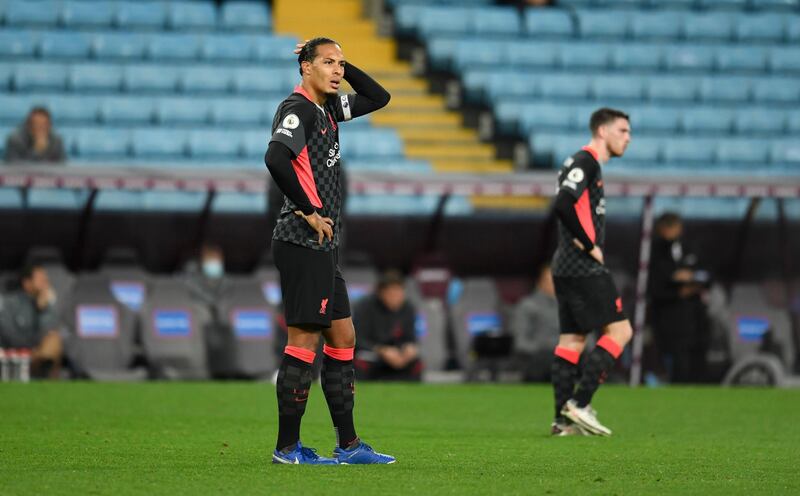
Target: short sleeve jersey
x: 311, y: 132
x: 580, y: 177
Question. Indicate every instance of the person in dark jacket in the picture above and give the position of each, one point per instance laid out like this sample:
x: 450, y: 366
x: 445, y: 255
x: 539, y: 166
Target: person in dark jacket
x: 677, y: 312
x: 386, y: 334
x: 35, y: 141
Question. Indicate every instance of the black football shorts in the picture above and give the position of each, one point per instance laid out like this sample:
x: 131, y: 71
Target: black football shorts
x: 587, y: 303
x: 314, y: 291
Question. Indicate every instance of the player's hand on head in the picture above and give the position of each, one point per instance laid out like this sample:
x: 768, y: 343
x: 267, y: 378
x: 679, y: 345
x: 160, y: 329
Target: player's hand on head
x: 323, y: 226
x: 299, y: 47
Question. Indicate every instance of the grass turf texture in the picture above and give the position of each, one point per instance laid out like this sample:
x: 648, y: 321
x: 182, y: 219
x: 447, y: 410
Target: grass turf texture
x: 216, y: 438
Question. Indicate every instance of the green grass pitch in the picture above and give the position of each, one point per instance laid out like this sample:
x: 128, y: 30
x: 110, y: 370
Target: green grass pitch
x: 216, y: 438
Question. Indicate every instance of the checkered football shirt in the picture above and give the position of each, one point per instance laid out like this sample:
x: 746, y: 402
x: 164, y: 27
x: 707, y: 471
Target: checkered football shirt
x: 312, y: 134
x: 580, y: 177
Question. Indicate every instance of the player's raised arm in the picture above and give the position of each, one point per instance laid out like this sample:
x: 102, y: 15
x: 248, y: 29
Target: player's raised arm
x: 370, y: 95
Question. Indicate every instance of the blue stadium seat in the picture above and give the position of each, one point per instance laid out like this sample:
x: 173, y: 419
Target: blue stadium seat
x: 488, y: 21
x: 786, y: 152
x: 254, y: 144
x: 643, y: 150
x: 444, y: 21
x: 191, y: 15
x: 617, y: 87
x: 743, y: 151
x: 689, y: 151
x: 734, y: 5
x: 193, y: 111
x: 6, y: 76
x: 17, y: 43
x: 538, y: 54
x: 707, y: 121
x: 576, y: 3
x: 214, y: 144
x: 262, y: 80
x: 711, y: 26
x: 730, y: 89
x: 603, y: 24
x: 672, y: 88
x: 226, y: 47
x: 93, y: 143
x: 205, y: 79
x: 32, y: 13
x: 274, y: 48
x: 127, y: 110
x: 159, y: 144
x: 637, y: 57
x: 246, y: 15
x: 793, y: 29
x: 96, y: 14
x: 656, y: 120
x: 13, y: 110
x: 240, y: 202
x: 95, y: 77
x: 68, y: 44
x: 775, y: 90
x: 768, y: 27
x: 181, y: 46
x: 539, y: 117
x: 673, y: 4
x: 760, y: 121
x: 133, y: 14
x: 238, y: 111
x: 784, y: 60
x: 686, y: 57
x: 741, y: 59
x: 10, y: 198
x: 115, y: 45
x: 548, y: 23
x: 564, y: 86
x: 657, y: 25
x: 776, y: 5
x: 150, y: 78
x: 593, y: 56
x: 40, y: 76
x: 793, y: 122
x: 619, y: 4
x: 72, y: 109
x: 479, y: 53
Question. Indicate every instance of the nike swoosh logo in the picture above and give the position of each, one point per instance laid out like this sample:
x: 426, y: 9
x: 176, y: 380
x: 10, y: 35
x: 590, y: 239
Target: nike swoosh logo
x: 324, y: 130
x: 296, y: 461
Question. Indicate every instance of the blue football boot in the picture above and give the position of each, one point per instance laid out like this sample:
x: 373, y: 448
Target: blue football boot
x: 363, y: 454
x: 301, y: 456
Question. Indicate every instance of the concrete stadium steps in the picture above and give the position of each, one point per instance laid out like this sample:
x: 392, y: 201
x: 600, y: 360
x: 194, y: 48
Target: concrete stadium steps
x: 521, y: 203
x: 428, y: 129
x: 394, y: 116
x: 478, y: 166
x: 465, y: 152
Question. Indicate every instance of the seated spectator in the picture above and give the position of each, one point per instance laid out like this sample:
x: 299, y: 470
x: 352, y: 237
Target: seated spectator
x: 386, y: 340
x: 28, y: 320
x: 35, y: 141
x: 534, y: 325
x: 677, y: 311
x: 205, y: 276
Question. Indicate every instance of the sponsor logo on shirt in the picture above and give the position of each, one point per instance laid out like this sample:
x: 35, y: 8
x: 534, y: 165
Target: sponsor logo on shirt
x: 284, y: 131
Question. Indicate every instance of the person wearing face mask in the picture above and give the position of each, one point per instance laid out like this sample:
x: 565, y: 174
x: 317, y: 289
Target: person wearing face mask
x: 35, y: 141
x: 205, y: 277
x: 678, y: 313
x: 28, y: 320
